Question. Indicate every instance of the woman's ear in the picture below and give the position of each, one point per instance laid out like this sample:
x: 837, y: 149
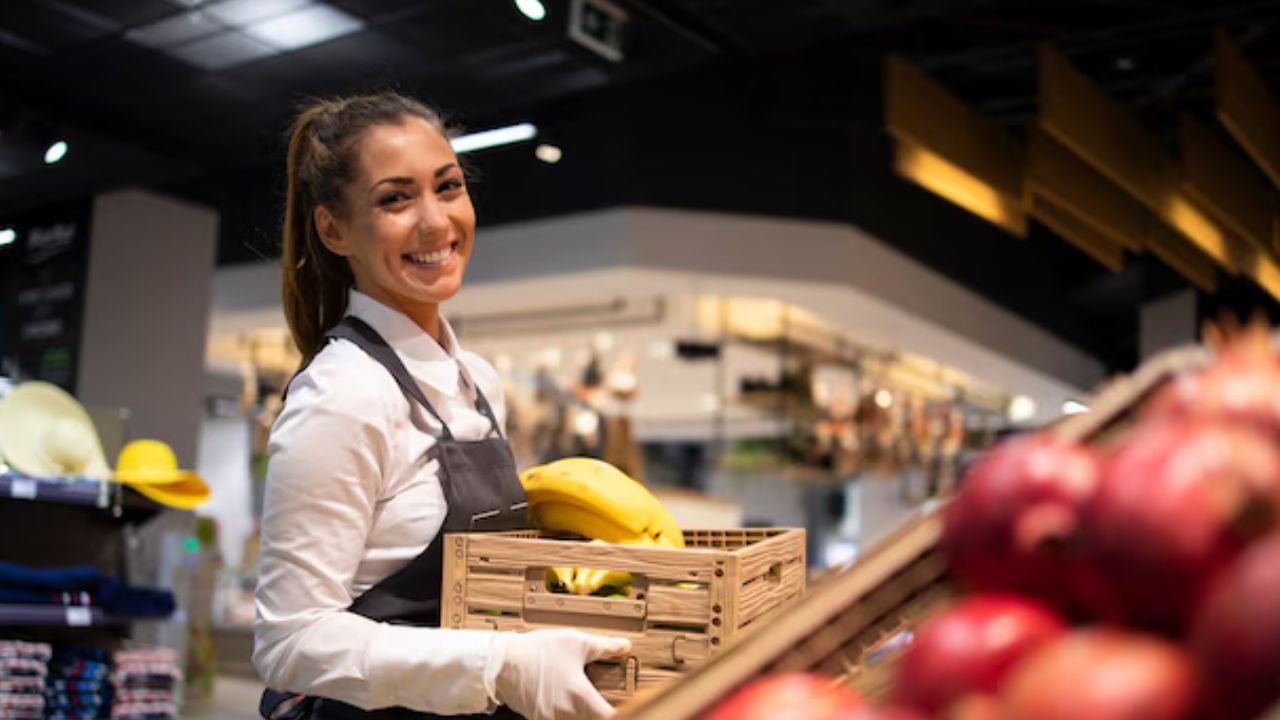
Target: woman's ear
x: 330, y: 231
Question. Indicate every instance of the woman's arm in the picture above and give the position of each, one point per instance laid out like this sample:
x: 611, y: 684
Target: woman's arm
x: 328, y: 451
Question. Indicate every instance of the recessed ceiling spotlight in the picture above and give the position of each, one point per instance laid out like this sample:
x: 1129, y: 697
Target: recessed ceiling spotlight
x: 55, y: 152
x: 548, y: 153
x: 8, y: 236
x: 532, y: 9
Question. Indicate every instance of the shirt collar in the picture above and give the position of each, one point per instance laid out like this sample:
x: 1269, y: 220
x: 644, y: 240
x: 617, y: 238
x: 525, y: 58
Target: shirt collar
x: 431, y: 362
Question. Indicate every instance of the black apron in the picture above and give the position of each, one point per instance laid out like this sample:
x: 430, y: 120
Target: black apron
x: 483, y: 494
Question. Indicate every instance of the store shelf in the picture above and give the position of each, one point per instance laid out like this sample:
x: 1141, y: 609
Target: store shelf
x: 70, y: 490
x: 20, y: 615
x: 125, y: 503
x: 56, y: 616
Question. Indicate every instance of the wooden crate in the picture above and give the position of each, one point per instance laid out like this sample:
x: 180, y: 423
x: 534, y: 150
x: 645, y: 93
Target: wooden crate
x: 686, y: 606
x: 847, y: 627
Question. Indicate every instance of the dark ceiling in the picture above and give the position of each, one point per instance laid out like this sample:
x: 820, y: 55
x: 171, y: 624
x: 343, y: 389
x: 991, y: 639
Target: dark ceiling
x: 757, y: 106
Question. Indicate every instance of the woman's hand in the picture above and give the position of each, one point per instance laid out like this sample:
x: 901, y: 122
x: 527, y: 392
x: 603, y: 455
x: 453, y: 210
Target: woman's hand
x: 542, y: 676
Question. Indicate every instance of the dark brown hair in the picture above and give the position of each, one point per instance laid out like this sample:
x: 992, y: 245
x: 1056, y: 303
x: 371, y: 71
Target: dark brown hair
x: 321, y: 161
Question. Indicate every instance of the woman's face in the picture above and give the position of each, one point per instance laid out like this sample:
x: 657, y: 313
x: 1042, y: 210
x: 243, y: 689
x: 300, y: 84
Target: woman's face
x: 407, y: 225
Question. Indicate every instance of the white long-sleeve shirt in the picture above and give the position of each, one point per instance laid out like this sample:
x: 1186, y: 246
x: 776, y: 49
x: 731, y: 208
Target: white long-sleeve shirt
x: 351, y: 497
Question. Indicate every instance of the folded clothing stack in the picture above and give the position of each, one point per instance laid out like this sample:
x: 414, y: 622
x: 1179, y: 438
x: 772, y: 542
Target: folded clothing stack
x: 146, y: 683
x: 23, y: 666
x: 80, y: 585
x: 78, y: 686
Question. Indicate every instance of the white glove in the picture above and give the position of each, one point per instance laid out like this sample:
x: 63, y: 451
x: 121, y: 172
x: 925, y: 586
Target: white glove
x: 541, y: 676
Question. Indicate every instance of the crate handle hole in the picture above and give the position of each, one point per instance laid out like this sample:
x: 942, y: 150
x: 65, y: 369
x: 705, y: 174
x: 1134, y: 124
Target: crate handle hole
x: 775, y: 573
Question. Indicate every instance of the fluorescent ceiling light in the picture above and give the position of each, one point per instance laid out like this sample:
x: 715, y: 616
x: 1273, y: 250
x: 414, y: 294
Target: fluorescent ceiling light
x: 306, y: 26
x: 532, y: 9
x: 8, y: 236
x: 55, y: 152
x: 494, y: 138
x: 240, y: 13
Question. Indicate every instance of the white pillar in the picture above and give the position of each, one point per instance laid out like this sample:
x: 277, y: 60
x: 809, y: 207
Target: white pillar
x: 151, y: 262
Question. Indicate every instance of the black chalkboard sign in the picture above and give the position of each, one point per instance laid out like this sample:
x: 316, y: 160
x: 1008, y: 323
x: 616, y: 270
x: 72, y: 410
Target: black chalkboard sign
x: 42, y: 298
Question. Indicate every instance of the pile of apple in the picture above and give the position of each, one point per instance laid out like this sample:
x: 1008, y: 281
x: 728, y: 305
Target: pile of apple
x: 1138, y: 579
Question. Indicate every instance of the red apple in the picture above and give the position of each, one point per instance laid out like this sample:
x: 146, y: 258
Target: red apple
x: 789, y: 696
x: 970, y: 648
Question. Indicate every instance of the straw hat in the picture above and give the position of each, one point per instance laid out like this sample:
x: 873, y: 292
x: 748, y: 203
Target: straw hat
x: 151, y: 468
x: 44, y: 432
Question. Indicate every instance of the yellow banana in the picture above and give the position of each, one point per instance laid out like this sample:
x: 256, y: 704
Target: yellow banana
x: 560, y: 517
x: 590, y: 581
x: 614, y: 506
x: 562, y: 576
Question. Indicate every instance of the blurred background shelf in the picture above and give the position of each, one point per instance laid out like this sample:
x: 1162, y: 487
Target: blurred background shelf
x: 123, y: 502
x: 57, y: 616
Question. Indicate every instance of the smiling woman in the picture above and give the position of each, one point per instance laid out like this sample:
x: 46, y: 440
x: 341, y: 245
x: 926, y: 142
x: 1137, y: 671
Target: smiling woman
x: 388, y: 439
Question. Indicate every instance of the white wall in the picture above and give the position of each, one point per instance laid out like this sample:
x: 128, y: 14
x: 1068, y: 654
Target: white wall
x: 151, y: 262
x: 855, y: 282
x: 806, y: 252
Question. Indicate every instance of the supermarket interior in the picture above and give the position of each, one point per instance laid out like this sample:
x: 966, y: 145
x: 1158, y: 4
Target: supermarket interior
x: 818, y: 359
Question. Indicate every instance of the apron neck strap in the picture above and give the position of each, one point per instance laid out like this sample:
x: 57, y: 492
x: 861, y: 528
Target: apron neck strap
x: 482, y: 404
x: 357, y: 331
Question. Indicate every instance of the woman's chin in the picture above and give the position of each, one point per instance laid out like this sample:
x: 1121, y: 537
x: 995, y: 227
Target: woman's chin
x: 432, y: 294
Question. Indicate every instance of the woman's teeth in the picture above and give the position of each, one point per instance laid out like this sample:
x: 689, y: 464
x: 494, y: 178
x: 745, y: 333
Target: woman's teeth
x: 433, y: 258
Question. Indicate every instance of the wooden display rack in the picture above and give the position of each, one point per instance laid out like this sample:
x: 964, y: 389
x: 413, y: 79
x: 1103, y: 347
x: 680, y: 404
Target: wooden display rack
x: 846, y: 628
x: 686, y: 605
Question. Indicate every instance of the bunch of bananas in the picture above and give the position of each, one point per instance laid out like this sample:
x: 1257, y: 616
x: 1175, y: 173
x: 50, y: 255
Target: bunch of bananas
x: 595, y: 500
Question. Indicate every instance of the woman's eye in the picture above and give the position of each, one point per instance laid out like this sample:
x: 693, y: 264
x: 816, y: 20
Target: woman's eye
x: 449, y: 185
x: 392, y: 198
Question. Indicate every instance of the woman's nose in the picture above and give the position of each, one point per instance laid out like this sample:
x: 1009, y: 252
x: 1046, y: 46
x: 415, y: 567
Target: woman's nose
x: 434, y: 217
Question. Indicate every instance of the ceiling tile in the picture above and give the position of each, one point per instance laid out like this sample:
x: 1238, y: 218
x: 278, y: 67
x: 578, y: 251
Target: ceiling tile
x: 222, y: 51
x: 128, y: 13
x: 175, y: 30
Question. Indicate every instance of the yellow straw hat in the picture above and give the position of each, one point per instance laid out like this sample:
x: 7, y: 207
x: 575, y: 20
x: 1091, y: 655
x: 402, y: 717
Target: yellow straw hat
x: 44, y: 432
x: 151, y: 468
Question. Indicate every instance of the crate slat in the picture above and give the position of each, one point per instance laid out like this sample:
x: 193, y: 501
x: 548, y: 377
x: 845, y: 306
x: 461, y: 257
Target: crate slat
x: 495, y: 592
x: 668, y: 603
x: 767, y: 553
x: 765, y: 593
x: 666, y: 563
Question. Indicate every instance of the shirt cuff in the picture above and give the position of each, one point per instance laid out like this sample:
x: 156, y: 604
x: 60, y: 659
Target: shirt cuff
x: 456, y: 664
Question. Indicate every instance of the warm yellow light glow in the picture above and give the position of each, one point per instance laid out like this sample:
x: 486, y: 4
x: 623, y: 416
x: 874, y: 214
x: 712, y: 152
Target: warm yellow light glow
x: 952, y: 182
x: 884, y: 399
x: 1266, y: 273
x: 1197, y: 227
x: 1021, y: 408
x: 756, y: 318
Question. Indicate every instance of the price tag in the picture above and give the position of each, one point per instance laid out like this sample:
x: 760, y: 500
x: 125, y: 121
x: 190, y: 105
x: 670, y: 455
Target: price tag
x: 79, y: 617
x: 23, y: 488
